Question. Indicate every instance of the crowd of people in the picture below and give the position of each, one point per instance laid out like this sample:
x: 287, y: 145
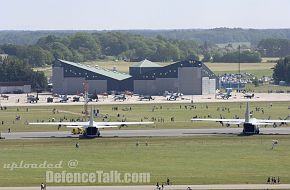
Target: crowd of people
x: 161, y: 187
x: 273, y: 180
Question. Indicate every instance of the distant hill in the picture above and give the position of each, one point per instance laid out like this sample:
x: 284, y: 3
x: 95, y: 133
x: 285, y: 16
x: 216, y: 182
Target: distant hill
x: 216, y: 36
x: 18, y: 37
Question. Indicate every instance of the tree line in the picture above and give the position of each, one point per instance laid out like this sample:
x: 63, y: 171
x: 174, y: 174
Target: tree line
x: 85, y: 47
x: 274, y: 47
x: 215, y: 35
x: 282, y: 70
x: 237, y: 57
x: 218, y: 35
x: 82, y: 46
x: 15, y: 70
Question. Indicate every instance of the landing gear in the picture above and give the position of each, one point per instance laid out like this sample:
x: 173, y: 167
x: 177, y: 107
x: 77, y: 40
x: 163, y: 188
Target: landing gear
x: 250, y: 129
x: 257, y: 130
x: 91, y: 132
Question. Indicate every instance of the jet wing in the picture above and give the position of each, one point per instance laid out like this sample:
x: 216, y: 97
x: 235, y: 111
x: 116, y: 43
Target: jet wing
x: 261, y: 123
x: 99, y: 125
x: 272, y: 121
x: 225, y: 121
x: 96, y: 124
x: 105, y: 127
x: 61, y: 123
x: 232, y: 122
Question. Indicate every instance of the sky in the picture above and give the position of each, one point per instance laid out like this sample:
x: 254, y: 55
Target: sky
x: 142, y: 14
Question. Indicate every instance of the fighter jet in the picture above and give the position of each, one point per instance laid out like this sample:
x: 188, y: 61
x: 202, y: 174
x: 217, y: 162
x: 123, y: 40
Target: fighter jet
x: 226, y: 95
x: 250, y: 125
x: 249, y: 95
x: 63, y: 98
x: 32, y: 98
x: 172, y: 95
x: 120, y: 97
x: 5, y: 97
x: 146, y: 97
x: 92, y: 128
x: 93, y: 97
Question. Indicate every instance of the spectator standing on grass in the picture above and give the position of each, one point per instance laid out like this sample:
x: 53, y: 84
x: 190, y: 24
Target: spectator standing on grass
x: 41, y: 186
x: 272, y: 180
x: 168, y: 181
x: 268, y: 181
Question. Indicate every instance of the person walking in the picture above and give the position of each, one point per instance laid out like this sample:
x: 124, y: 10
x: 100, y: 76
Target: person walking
x: 168, y: 181
x: 157, y: 185
x: 41, y: 186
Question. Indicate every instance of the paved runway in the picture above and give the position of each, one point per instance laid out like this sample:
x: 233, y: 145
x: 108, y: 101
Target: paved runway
x: 151, y: 187
x: 147, y: 133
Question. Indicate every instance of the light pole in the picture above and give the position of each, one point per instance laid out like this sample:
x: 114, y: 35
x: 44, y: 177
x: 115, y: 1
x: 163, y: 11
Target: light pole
x: 239, y: 68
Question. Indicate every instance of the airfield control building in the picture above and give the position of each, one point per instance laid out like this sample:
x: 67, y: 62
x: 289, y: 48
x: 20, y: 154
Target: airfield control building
x: 189, y: 77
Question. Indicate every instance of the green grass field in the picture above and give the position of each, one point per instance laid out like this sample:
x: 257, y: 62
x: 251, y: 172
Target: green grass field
x: 144, y: 112
x: 257, y: 69
x: 190, y: 160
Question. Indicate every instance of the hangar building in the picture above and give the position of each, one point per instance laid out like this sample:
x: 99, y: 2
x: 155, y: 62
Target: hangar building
x: 189, y: 77
x: 69, y: 78
x: 15, y: 87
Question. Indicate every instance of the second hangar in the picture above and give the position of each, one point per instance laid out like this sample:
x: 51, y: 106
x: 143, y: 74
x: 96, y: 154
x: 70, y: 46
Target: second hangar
x: 189, y: 77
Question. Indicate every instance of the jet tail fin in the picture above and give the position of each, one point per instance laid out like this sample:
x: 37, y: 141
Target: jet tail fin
x: 247, y: 113
x: 92, y: 117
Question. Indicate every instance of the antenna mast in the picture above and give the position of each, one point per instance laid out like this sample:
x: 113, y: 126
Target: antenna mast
x: 86, y: 97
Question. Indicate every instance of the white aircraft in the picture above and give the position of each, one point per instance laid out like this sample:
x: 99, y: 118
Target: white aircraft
x: 91, y: 127
x: 249, y: 95
x: 63, y: 98
x: 251, y: 125
x: 172, y: 96
x: 226, y: 95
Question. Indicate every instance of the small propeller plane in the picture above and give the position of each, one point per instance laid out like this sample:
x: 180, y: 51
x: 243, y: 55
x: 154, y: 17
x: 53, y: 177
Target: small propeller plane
x: 250, y: 125
x: 91, y: 127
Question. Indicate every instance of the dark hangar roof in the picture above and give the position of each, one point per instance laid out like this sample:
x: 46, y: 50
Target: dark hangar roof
x: 101, y: 71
